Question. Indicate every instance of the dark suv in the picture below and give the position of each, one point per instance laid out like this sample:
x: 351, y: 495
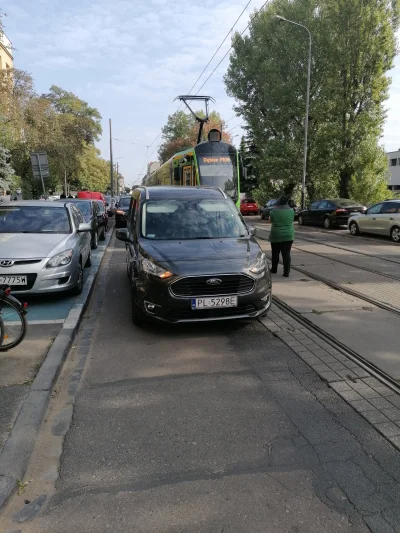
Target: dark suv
x: 192, y: 258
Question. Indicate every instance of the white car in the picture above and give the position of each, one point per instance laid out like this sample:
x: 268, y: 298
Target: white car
x: 382, y: 218
x: 44, y: 247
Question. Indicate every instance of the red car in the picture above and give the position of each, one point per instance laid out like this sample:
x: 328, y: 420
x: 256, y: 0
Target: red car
x: 249, y: 207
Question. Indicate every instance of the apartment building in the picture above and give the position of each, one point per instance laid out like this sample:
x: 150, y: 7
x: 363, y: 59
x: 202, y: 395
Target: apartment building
x: 394, y: 169
x: 6, y: 58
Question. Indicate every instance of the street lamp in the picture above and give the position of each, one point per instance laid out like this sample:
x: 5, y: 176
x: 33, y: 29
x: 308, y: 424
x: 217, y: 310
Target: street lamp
x: 303, y: 182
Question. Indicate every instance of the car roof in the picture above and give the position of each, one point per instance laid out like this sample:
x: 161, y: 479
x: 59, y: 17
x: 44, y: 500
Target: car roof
x: 32, y: 203
x: 159, y: 193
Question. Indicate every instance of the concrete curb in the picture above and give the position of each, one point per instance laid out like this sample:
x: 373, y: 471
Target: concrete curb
x: 18, y: 448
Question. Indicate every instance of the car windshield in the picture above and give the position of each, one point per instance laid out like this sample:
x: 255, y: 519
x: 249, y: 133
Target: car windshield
x: 190, y: 218
x: 345, y: 203
x: 34, y: 219
x: 249, y: 201
x: 124, y: 202
x: 85, y: 208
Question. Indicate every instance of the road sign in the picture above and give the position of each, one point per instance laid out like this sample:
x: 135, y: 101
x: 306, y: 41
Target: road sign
x: 40, y: 166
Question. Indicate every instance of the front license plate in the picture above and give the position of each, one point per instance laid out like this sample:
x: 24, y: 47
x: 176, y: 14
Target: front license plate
x: 13, y: 280
x: 214, y: 303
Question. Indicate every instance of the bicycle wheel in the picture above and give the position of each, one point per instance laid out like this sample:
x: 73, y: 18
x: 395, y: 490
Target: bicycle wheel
x: 14, y: 322
x: 1, y: 331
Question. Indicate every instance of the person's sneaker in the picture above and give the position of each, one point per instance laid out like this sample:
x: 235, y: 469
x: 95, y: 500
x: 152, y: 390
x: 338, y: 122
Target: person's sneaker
x: 273, y: 271
x: 285, y: 275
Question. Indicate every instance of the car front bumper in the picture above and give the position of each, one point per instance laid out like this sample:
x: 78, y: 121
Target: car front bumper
x: 157, y: 301
x: 41, y: 279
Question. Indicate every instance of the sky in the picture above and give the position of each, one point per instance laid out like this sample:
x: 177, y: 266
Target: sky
x: 131, y: 58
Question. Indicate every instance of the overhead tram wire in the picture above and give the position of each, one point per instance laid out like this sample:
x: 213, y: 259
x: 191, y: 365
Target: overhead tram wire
x: 258, y: 12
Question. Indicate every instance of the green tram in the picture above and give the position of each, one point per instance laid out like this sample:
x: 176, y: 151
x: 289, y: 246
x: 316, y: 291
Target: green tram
x: 212, y: 162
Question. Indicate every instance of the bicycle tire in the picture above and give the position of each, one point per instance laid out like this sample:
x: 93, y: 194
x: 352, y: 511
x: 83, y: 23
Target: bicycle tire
x: 1, y: 331
x: 14, y: 321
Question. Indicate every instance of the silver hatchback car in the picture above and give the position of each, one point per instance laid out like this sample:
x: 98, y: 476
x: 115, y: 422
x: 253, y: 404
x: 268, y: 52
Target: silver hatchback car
x: 43, y: 247
x: 382, y: 218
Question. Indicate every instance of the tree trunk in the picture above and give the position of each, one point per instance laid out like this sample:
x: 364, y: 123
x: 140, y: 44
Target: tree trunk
x: 344, y: 182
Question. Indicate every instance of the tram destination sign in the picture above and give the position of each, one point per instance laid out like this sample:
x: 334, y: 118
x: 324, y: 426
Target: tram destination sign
x: 215, y: 160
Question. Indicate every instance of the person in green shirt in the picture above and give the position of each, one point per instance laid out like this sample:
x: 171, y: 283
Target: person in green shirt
x: 281, y: 236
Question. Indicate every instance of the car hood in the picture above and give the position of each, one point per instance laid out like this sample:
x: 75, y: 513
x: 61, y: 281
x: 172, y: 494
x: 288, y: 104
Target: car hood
x: 200, y: 256
x: 31, y: 245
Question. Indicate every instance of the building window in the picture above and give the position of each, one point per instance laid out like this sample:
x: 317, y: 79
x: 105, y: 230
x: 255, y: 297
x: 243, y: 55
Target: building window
x: 393, y: 162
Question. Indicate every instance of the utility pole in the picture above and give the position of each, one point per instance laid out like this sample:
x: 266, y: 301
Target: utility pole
x: 117, y: 187
x: 111, y: 163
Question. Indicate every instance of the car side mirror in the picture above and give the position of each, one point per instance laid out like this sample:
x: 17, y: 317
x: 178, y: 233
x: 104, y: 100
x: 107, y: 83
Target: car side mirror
x: 84, y: 226
x: 252, y: 231
x: 122, y: 235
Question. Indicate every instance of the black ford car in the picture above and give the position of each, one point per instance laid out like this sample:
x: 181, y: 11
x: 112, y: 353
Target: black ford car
x: 121, y: 211
x: 190, y: 257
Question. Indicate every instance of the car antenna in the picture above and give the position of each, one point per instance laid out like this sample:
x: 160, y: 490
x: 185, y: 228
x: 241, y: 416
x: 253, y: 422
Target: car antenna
x: 188, y: 98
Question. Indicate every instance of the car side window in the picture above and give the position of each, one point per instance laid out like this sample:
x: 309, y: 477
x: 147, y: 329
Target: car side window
x: 375, y: 209
x: 390, y: 207
x: 323, y: 205
x: 315, y: 205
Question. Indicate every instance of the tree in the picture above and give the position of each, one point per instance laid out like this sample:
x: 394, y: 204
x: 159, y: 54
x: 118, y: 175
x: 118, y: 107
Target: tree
x: 94, y: 172
x: 181, y: 132
x: 7, y: 174
x: 353, y: 48
x: 247, y: 151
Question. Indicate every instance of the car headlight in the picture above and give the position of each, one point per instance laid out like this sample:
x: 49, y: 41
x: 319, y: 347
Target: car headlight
x: 259, y: 264
x: 155, y: 270
x: 61, y: 259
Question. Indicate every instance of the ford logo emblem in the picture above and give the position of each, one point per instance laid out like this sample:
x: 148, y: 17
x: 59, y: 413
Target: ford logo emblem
x: 6, y: 263
x: 214, y: 281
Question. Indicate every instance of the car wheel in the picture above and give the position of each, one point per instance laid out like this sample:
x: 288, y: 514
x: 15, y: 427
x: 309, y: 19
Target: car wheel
x: 395, y: 234
x: 95, y: 240
x: 103, y: 234
x: 89, y: 260
x: 77, y: 290
x: 354, y: 229
x: 301, y: 221
x: 262, y: 216
x: 327, y: 223
x: 138, y: 316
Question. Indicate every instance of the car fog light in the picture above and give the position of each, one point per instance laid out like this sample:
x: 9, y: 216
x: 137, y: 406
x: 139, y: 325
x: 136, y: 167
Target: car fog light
x: 150, y: 307
x: 265, y: 299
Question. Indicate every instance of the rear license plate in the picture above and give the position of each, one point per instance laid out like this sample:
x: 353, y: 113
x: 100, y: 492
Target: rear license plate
x: 214, y: 303
x: 13, y: 280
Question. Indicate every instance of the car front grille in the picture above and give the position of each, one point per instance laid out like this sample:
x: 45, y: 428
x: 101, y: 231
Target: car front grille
x: 198, y: 286
x: 204, y: 314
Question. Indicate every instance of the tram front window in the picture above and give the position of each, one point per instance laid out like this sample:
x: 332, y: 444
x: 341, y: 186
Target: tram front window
x: 219, y: 171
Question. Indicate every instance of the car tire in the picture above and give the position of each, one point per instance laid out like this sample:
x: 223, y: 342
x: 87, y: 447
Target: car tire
x: 89, y: 260
x: 77, y: 290
x: 327, y: 223
x: 354, y: 229
x: 103, y: 234
x: 138, y: 316
x: 262, y: 216
x: 95, y: 241
x: 395, y: 234
x: 301, y: 221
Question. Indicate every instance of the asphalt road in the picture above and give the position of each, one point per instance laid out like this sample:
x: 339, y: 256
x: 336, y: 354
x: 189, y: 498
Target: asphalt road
x: 205, y: 428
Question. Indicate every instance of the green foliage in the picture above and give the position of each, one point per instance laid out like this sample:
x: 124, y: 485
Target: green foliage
x: 353, y: 48
x: 59, y: 123
x: 94, y: 172
x: 6, y: 171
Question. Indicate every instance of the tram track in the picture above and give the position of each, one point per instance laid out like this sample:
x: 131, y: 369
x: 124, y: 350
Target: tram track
x: 376, y: 372
x: 347, y: 290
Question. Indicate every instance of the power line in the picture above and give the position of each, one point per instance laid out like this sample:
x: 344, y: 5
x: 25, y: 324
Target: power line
x: 230, y: 48
x: 237, y: 125
x: 220, y: 46
x: 129, y: 142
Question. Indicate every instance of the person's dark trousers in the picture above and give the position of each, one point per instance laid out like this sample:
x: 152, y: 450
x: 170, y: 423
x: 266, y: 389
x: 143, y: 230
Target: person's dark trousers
x: 284, y: 249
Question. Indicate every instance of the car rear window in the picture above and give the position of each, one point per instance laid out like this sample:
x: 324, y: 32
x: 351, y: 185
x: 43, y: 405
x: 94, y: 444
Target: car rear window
x: 34, y: 219
x: 124, y: 202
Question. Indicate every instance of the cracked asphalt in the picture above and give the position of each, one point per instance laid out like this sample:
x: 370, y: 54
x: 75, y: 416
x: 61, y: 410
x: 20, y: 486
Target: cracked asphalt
x: 204, y: 428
